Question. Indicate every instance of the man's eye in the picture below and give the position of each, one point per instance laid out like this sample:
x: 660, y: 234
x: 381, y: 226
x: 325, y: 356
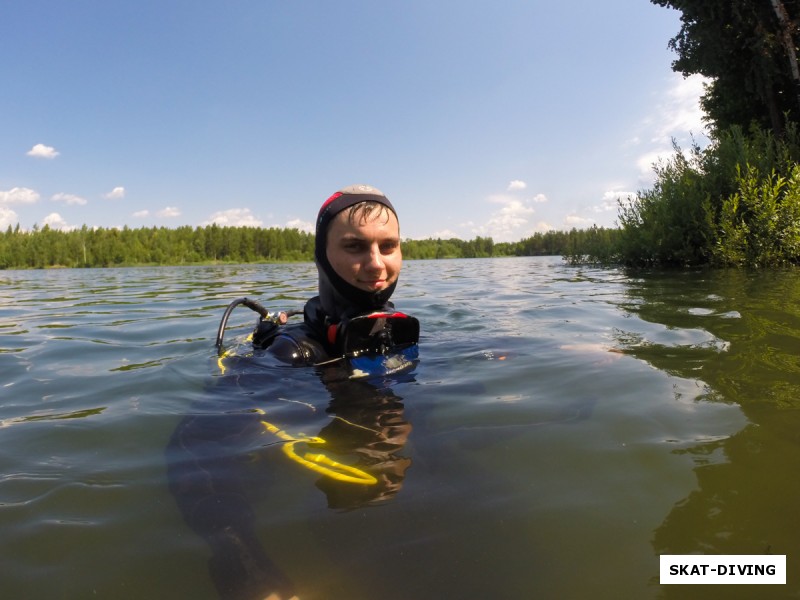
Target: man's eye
x: 389, y: 247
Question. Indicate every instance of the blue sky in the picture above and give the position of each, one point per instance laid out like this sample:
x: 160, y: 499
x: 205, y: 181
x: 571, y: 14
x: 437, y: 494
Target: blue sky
x: 499, y: 118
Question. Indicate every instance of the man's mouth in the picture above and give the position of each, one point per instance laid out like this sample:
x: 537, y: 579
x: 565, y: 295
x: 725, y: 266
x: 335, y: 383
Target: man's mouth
x: 374, y: 283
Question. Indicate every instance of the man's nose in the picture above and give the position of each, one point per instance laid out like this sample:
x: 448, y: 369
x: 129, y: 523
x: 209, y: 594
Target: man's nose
x: 375, y: 258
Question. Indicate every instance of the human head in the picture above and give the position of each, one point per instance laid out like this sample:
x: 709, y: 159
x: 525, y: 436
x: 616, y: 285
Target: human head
x: 355, y: 208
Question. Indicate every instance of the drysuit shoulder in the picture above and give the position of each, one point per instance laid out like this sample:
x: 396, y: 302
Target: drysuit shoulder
x: 291, y: 344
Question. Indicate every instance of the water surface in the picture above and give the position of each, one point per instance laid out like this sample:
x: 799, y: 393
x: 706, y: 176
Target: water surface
x: 566, y: 426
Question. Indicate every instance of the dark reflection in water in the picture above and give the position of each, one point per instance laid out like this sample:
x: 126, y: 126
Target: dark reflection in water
x: 213, y: 474
x: 739, y: 333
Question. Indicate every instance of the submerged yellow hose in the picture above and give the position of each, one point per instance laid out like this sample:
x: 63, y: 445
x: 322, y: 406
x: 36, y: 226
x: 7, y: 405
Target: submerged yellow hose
x: 318, y: 462
x: 229, y: 352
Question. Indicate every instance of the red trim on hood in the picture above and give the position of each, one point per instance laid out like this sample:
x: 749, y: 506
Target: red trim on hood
x: 328, y: 201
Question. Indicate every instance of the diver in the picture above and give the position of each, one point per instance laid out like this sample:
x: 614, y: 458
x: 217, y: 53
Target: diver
x: 350, y: 333
x: 358, y: 257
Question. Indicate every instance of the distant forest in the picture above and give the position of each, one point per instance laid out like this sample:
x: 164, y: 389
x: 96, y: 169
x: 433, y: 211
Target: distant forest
x: 88, y: 247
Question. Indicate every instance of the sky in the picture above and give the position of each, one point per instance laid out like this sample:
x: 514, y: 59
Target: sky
x: 497, y: 118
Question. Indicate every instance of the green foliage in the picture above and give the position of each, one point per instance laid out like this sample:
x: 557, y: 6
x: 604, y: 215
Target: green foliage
x: 668, y: 224
x: 759, y: 225
x: 480, y: 247
x: 100, y: 247
x: 596, y: 245
x: 749, y: 54
x: 732, y: 203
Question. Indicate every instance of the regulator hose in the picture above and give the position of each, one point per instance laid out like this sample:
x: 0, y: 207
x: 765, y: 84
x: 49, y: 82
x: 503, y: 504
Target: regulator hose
x: 251, y: 304
x: 278, y: 318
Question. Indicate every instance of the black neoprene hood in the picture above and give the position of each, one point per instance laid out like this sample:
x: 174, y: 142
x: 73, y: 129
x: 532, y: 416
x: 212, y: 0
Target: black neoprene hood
x: 339, y: 299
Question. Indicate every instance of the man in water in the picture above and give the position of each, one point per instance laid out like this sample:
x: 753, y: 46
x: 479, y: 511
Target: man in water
x: 358, y: 258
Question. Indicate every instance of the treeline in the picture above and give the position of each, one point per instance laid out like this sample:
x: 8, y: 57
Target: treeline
x: 87, y: 247
x: 550, y: 243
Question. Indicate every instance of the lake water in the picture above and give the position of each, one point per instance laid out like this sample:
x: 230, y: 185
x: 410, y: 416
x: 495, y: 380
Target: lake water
x: 563, y: 428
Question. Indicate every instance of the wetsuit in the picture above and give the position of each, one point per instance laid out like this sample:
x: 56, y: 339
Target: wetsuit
x: 210, y: 475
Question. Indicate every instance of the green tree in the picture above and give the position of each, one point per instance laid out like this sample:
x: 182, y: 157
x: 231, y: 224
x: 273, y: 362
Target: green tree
x: 748, y: 49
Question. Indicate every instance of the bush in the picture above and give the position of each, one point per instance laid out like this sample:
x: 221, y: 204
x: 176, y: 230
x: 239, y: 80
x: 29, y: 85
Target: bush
x: 716, y: 205
x: 759, y: 225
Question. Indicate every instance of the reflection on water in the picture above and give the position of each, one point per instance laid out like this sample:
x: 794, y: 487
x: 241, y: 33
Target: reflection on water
x: 743, y: 331
x: 563, y: 428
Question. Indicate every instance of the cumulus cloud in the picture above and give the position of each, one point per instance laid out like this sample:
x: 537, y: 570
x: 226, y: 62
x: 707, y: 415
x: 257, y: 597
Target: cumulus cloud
x: 169, y: 212
x: 648, y: 160
x: 141, y: 213
x: 234, y: 217
x: 677, y: 115
x: 506, y: 224
x: 445, y: 234
x: 8, y: 218
x: 116, y: 193
x: 578, y: 222
x: 502, y: 199
x: 679, y: 111
x: 55, y: 221
x: 19, y: 195
x: 300, y: 225
x: 69, y: 199
x: 517, y: 185
x: 42, y: 151
x: 539, y: 198
x: 613, y: 198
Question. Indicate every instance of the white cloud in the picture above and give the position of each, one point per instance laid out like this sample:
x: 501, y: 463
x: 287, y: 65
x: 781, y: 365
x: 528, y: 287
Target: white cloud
x: 19, y: 195
x: 445, y: 234
x: 514, y: 211
x: 42, y: 151
x: 508, y: 223
x: 55, y: 221
x: 647, y: 161
x: 234, y: 217
x: 8, y: 218
x: 501, y: 199
x: 300, y: 225
x: 612, y: 198
x: 141, y: 213
x: 680, y: 112
x: 512, y: 221
x: 69, y: 199
x: 116, y: 193
x: 677, y: 115
x: 169, y: 212
x: 573, y: 220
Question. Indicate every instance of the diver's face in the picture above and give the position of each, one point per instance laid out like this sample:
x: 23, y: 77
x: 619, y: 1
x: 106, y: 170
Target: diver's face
x: 365, y: 250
